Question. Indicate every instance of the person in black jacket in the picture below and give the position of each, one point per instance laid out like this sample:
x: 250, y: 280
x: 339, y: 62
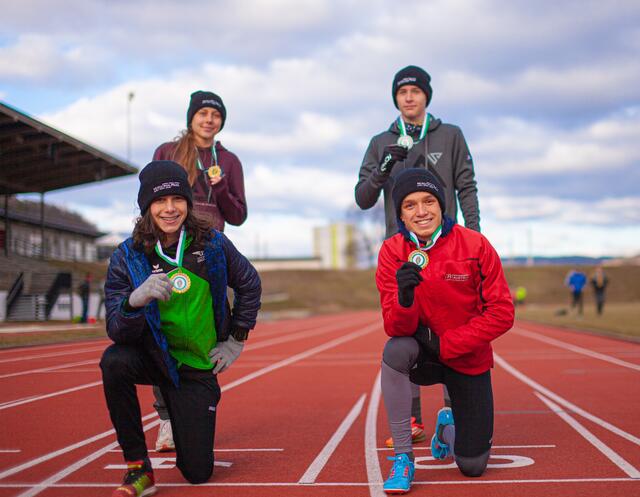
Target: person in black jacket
x: 168, y: 314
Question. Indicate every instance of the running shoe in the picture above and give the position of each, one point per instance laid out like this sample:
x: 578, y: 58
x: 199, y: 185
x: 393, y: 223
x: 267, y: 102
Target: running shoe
x: 439, y: 449
x: 164, y: 442
x: 401, y: 476
x: 417, y: 434
x: 138, y: 481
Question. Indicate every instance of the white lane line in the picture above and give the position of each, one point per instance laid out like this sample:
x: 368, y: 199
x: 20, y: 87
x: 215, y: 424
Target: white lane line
x: 325, y: 454
x: 223, y: 450
x: 46, y: 370
x: 299, y: 335
x: 53, y: 354
x: 577, y: 349
x: 374, y: 474
x: 77, y: 465
x: 563, y: 402
x: 10, y: 451
x: 15, y: 403
x: 34, y: 398
x: 303, y: 355
x: 613, y: 456
x: 492, y: 447
x: 51, y: 455
x: 65, y: 472
x: 466, y: 481
x: 46, y: 329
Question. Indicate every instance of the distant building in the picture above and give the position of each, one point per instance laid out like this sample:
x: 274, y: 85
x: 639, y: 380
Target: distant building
x: 335, y: 245
x: 287, y: 263
x: 62, y: 235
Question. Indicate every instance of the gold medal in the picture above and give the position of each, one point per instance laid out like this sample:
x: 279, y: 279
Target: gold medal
x: 214, y: 172
x: 419, y: 258
x: 181, y: 282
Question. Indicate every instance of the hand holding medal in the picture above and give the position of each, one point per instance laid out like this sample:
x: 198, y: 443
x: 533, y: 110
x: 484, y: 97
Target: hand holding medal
x: 215, y: 174
x: 408, y: 278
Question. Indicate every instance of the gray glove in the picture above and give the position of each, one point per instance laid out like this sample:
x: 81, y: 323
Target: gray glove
x: 156, y: 286
x: 225, y: 353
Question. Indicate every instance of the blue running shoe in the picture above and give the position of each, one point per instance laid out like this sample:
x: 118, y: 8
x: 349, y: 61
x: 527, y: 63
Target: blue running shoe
x: 401, y: 476
x: 439, y: 449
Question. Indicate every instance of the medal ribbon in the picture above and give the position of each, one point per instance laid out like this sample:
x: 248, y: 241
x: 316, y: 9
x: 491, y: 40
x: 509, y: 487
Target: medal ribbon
x: 177, y: 260
x: 214, y: 157
x: 423, y: 131
x: 430, y: 243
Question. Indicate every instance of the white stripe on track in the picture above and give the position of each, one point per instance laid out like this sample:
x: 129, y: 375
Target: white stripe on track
x: 46, y: 370
x: 53, y: 354
x: 325, y: 454
x: 36, y: 489
x: 613, y: 456
x: 575, y: 348
x: 374, y: 475
x: 300, y: 335
x: 466, y: 481
x: 536, y: 386
x: 15, y: 403
x: 77, y: 465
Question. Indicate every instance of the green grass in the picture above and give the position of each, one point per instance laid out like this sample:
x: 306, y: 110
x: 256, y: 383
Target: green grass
x: 618, y: 318
x: 47, y: 337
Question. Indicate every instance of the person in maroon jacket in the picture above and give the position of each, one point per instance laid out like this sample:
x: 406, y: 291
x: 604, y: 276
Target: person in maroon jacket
x: 444, y: 298
x: 216, y: 178
x: 214, y: 172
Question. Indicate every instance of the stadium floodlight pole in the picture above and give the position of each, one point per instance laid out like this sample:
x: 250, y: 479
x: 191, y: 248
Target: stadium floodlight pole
x: 129, y: 99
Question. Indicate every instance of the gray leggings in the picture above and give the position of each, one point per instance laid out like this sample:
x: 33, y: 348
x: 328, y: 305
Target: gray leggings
x: 471, y: 398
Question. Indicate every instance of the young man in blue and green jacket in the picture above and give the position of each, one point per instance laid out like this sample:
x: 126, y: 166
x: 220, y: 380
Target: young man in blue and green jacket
x: 168, y: 314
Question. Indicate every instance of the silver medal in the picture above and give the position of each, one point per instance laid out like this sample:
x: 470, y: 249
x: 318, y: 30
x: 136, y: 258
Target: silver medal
x: 405, y: 141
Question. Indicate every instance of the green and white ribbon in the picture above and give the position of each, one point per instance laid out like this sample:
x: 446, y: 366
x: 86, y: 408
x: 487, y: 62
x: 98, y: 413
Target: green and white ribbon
x: 434, y: 238
x: 423, y: 131
x: 214, y: 156
x: 177, y: 260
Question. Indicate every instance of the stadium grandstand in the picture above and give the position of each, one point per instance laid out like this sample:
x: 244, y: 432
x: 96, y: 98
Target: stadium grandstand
x: 44, y: 249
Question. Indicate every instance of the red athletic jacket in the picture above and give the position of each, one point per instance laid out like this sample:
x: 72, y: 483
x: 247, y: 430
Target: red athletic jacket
x: 463, y: 298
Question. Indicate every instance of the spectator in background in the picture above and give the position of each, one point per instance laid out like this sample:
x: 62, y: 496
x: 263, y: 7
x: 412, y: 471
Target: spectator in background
x: 576, y: 280
x: 520, y: 296
x: 84, y: 289
x: 216, y: 178
x: 599, y: 281
x: 101, y: 301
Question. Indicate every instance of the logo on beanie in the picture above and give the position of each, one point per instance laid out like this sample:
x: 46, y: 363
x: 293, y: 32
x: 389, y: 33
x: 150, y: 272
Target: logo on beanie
x: 166, y: 185
x: 215, y: 103
x: 406, y: 80
x: 426, y: 184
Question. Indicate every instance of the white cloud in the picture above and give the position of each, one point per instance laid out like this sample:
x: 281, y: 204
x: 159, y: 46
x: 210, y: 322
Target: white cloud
x: 516, y: 147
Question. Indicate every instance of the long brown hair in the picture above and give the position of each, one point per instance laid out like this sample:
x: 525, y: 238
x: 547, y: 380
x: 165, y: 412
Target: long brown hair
x: 146, y: 234
x: 185, y: 153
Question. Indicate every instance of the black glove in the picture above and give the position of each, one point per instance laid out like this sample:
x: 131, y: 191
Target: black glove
x: 390, y: 155
x: 428, y: 339
x: 408, y: 278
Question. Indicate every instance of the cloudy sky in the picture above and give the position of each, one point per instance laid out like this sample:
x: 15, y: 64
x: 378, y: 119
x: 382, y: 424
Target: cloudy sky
x: 547, y: 94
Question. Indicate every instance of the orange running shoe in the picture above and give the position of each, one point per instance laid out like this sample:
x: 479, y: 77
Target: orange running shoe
x: 417, y: 434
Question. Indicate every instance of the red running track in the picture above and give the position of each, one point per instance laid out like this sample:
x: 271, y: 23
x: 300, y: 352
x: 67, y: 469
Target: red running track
x: 301, y: 415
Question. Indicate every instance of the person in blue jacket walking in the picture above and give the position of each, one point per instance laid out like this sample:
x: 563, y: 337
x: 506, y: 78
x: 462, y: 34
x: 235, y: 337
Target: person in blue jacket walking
x: 172, y: 326
x: 576, y: 280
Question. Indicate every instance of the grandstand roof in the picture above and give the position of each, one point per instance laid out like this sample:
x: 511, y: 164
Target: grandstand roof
x: 36, y: 158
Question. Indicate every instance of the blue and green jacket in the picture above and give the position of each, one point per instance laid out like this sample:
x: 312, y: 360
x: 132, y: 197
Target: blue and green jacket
x: 226, y: 267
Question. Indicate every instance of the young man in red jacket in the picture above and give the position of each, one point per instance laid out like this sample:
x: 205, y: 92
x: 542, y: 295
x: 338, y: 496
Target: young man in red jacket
x: 444, y: 298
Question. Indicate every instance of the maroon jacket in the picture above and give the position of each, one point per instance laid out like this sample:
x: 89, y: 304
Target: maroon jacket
x: 224, y: 202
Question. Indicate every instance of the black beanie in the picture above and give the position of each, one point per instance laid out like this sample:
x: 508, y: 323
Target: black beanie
x: 416, y: 180
x: 201, y: 99
x: 162, y: 177
x: 412, y: 75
